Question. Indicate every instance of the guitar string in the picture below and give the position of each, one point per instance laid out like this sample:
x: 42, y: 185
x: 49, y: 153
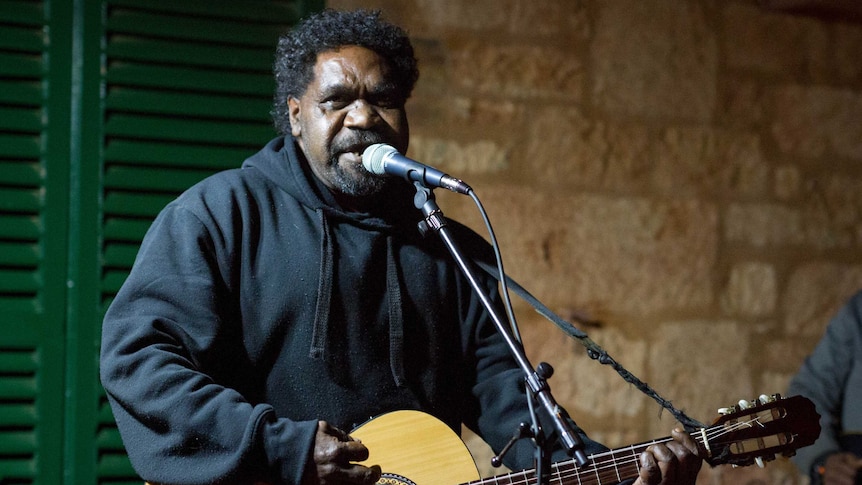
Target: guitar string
x: 566, y: 470
x: 604, y: 466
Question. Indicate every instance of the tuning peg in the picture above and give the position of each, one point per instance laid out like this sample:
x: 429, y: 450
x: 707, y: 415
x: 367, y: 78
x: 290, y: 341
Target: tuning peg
x: 726, y: 411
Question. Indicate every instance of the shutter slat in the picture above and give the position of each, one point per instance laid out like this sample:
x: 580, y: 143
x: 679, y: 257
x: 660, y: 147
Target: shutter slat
x: 12, y: 414
x: 20, y: 65
x: 223, y: 31
x: 180, y: 130
x: 20, y: 468
x: 240, y: 108
x: 19, y: 254
x: 19, y: 146
x: 142, y: 178
x: 13, y: 281
x: 175, y: 155
x: 17, y: 227
x: 109, y: 438
x: 20, y: 93
x: 19, y: 305
x: 22, y: 13
x: 16, y: 387
x: 122, y: 229
x: 114, y: 465
x: 214, y: 56
x: 19, y: 200
x: 20, y: 174
x: 17, y: 442
x: 17, y: 361
x: 21, y: 39
x: 284, y: 13
x: 113, y: 280
x: 20, y: 119
x: 136, y: 204
x: 120, y: 255
x: 194, y: 80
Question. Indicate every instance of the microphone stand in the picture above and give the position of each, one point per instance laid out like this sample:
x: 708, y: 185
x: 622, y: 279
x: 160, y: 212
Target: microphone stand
x: 535, y: 379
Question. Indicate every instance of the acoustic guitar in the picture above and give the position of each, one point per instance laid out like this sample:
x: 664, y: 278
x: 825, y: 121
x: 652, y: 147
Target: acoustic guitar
x: 414, y: 448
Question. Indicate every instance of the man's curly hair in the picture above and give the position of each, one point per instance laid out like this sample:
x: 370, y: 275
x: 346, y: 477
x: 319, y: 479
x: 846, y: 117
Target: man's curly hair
x: 329, y: 30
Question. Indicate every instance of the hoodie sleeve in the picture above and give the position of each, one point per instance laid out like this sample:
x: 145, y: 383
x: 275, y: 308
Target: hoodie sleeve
x: 824, y: 377
x: 163, y: 341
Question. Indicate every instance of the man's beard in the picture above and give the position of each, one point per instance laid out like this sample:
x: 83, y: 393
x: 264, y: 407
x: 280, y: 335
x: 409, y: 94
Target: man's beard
x: 360, y: 182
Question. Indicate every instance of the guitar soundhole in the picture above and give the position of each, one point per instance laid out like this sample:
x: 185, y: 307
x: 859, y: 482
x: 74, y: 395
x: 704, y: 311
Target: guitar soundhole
x: 393, y: 479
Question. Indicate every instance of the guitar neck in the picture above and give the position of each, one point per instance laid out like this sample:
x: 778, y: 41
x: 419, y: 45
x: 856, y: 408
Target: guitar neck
x: 605, y: 468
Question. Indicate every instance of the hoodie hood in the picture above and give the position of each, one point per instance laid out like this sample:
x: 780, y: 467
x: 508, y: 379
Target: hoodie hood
x: 391, y: 213
x: 282, y: 162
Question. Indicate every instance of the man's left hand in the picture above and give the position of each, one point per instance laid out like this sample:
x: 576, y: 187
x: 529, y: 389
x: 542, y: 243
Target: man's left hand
x: 675, y: 462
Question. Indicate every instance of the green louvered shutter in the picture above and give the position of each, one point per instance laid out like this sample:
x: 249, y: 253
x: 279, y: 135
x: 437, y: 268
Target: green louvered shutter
x: 108, y: 109
x: 188, y: 92
x: 34, y: 60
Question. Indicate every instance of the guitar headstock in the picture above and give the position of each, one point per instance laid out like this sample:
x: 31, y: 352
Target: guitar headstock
x: 756, y: 431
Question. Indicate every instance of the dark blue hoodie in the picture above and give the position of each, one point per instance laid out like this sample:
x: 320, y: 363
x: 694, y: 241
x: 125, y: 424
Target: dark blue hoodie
x: 257, y: 306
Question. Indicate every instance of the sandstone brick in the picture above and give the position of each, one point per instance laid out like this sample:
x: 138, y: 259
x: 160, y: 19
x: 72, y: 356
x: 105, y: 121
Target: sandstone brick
x: 480, y: 156
x: 583, y: 385
x: 818, y: 120
x: 551, y: 18
x: 635, y: 256
x: 638, y: 69
x: 775, y: 382
x: 564, y: 148
x: 846, y: 49
x: 815, y: 292
x: 784, y: 356
x: 782, y: 45
x: 517, y: 69
x: 700, y: 161
x: 701, y: 366
x: 752, y: 290
x: 842, y: 196
x: 743, y: 102
x: 774, y: 225
x: 787, y: 182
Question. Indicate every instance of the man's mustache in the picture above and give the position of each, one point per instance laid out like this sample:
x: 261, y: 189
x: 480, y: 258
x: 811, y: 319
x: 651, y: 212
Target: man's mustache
x: 357, y: 142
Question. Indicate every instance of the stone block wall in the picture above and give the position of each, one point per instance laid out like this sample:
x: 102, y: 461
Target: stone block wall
x: 687, y: 173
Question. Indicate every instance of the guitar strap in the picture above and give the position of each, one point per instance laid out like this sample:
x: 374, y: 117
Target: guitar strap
x: 593, y: 349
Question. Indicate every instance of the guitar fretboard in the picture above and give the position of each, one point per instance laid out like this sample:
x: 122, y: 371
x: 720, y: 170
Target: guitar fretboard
x: 603, y: 469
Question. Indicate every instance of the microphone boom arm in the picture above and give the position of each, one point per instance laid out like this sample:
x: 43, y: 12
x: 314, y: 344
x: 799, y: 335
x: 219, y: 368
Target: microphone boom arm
x: 434, y: 218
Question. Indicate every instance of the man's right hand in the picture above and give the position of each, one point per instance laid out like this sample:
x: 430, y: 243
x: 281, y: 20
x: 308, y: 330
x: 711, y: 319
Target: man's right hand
x: 841, y: 469
x: 334, y: 454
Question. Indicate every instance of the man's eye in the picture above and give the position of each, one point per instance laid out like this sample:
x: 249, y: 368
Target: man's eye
x: 387, y: 101
x: 335, y: 103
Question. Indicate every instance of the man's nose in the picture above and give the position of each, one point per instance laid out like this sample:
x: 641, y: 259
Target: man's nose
x: 361, y: 115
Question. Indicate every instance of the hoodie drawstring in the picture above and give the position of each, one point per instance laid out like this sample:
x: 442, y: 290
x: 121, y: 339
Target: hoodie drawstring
x: 320, y: 335
x: 320, y: 329
x: 396, y: 317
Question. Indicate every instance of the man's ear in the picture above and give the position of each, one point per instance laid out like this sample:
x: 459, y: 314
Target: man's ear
x: 293, y: 111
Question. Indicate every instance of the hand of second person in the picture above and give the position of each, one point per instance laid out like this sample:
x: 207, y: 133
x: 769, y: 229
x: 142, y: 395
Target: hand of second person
x: 334, y: 454
x: 841, y: 469
x: 675, y: 462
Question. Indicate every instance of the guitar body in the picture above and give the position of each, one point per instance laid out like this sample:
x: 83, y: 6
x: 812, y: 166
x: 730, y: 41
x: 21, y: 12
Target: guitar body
x: 412, y: 447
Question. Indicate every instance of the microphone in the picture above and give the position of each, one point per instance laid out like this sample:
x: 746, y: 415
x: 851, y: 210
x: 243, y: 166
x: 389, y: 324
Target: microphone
x: 382, y: 159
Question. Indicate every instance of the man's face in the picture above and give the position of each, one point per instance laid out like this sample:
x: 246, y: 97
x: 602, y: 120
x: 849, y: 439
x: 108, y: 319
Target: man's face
x: 351, y: 103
